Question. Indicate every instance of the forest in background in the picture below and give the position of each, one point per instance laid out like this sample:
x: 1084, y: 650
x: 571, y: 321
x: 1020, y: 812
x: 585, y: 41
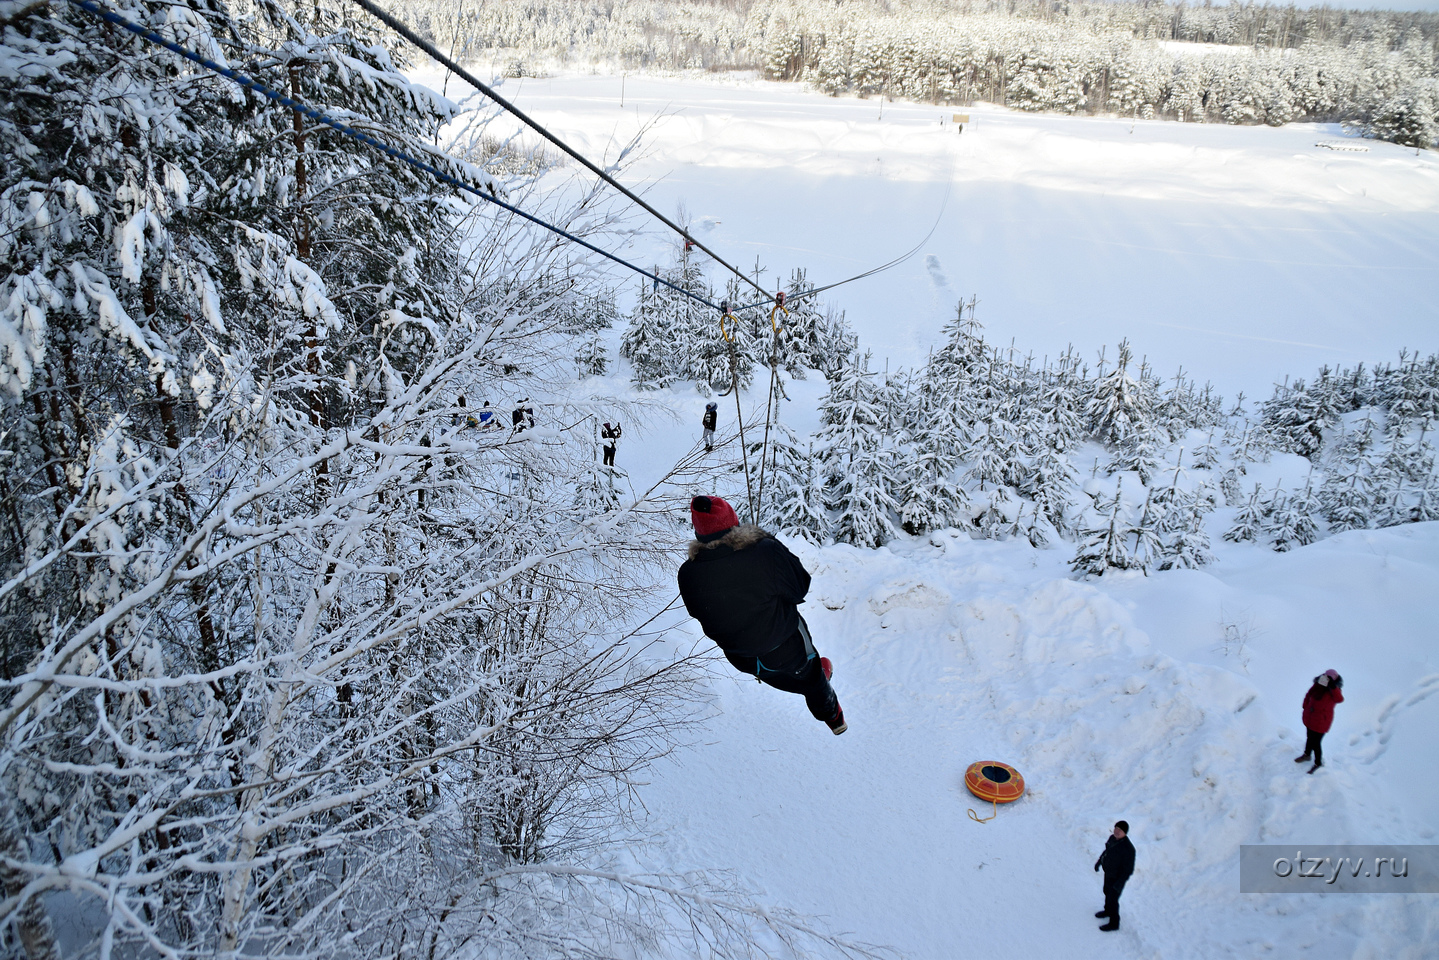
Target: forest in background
x: 1262, y: 64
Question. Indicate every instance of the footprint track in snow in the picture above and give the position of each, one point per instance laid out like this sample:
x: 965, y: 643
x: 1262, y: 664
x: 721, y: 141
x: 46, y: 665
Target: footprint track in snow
x: 1385, y: 723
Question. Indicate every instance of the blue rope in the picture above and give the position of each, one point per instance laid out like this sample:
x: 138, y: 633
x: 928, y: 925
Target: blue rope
x: 312, y: 113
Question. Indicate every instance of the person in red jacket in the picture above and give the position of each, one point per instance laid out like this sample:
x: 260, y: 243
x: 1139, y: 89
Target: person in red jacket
x: 1319, y: 714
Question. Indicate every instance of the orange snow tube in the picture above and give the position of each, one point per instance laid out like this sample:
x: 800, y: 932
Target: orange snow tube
x: 993, y: 781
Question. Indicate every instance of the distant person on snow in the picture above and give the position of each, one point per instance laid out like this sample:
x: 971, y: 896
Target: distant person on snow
x: 1118, y: 863
x: 523, y: 416
x: 744, y: 587
x: 1318, y: 714
x: 710, y: 418
x: 611, y: 436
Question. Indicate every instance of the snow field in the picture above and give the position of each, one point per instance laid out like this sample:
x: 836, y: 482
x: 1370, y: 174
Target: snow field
x: 1114, y: 701
x: 1244, y: 254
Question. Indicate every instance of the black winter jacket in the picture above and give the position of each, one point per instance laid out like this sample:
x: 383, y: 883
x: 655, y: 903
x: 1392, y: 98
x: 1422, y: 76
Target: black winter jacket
x: 710, y: 418
x: 743, y: 589
x: 1117, y: 858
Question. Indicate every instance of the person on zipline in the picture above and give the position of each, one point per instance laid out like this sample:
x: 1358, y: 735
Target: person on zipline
x: 708, y: 422
x: 744, y: 588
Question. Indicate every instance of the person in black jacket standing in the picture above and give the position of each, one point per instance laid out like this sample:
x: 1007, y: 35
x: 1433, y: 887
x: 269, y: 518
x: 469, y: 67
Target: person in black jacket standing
x: 744, y: 587
x: 709, y: 420
x: 1118, y: 863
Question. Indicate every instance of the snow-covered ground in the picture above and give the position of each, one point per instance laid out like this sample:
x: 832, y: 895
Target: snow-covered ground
x: 1172, y: 701
x: 1117, y: 699
x: 1244, y: 254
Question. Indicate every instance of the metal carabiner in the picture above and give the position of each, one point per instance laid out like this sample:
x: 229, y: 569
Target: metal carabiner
x: 728, y: 332
x: 778, y: 307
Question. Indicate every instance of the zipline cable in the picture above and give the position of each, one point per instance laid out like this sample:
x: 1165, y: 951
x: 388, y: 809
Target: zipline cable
x: 725, y: 311
x: 252, y: 84
x: 791, y: 298
x: 399, y: 27
x: 448, y: 63
x: 728, y: 335
x: 779, y: 307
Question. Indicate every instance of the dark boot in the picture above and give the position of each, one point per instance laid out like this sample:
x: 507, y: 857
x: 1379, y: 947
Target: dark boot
x: 1317, y: 765
x: 1111, y: 925
x: 1101, y: 913
x: 1303, y: 759
x: 837, y: 725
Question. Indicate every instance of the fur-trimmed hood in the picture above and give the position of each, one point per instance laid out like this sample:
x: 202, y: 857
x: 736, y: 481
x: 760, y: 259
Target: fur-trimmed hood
x: 742, y: 536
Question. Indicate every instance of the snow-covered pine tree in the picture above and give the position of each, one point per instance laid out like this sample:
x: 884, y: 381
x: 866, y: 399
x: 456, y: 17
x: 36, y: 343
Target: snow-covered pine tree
x: 929, y: 498
x: 1347, y: 496
x: 799, y: 491
x: 1105, y: 539
x: 1426, y: 504
x: 1050, y: 486
x: 591, y: 359
x: 1206, y: 455
x: 1116, y: 410
x: 1248, y: 521
x: 672, y: 337
x: 1137, y: 453
x: 809, y: 337
x: 1058, y: 406
x: 1291, y: 523
x: 649, y: 338
x: 998, y: 515
x: 856, y: 464
x: 1149, y: 535
x: 1186, y: 546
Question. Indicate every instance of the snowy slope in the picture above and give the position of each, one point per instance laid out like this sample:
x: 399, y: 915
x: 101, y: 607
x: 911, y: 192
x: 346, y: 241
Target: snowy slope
x: 1115, y: 699
x: 1242, y: 253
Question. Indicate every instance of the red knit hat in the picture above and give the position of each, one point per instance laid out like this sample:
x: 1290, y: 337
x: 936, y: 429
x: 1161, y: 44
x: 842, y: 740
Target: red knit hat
x: 712, y: 516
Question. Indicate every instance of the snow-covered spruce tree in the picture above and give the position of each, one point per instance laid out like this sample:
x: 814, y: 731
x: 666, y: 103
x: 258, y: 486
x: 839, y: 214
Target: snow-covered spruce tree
x: 648, y: 339
x: 1411, y: 117
x: 1138, y: 453
x: 1297, y: 416
x: 1050, y: 486
x: 1149, y: 532
x: 1291, y: 523
x: 1186, y: 542
x: 1105, y: 539
x: 666, y: 326
x: 1348, y: 495
x: 798, y: 497
x: 1058, y: 407
x: 1426, y: 503
x: 855, y: 462
x: 1115, y: 409
x: 1206, y: 455
x: 1248, y: 521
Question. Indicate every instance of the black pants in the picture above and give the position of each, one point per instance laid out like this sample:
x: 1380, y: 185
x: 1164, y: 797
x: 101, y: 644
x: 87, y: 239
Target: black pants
x: 609, y: 456
x: 1311, y: 745
x: 1112, y: 889
x: 793, y: 667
